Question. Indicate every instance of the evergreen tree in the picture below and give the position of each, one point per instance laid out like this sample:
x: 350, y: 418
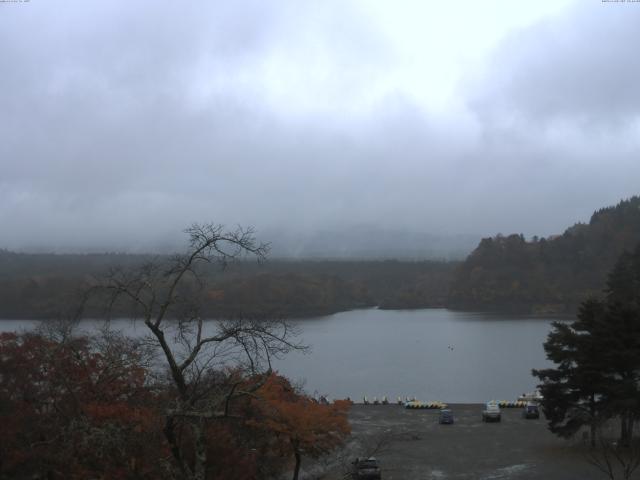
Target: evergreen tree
x: 573, y: 391
x: 622, y: 337
x: 597, y: 357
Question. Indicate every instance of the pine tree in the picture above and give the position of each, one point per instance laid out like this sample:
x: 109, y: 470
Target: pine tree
x: 622, y: 337
x: 597, y: 357
x: 573, y: 391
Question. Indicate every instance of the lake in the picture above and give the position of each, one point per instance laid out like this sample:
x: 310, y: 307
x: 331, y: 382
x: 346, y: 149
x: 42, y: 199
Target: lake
x: 430, y: 354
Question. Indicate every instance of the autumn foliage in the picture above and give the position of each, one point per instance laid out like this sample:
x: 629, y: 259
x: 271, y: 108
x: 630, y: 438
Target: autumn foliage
x: 296, y: 424
x: 79, y: 408
x: 70, y: 411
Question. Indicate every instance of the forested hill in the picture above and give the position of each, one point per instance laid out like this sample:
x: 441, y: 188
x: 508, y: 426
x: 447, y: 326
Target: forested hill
x: 48, y: 285
x: 547, y: 275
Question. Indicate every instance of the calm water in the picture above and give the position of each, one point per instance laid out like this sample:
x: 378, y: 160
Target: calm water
x: 433, y: 354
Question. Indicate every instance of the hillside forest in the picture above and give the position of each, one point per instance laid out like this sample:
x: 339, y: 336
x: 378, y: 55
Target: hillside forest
x: 504, y: 272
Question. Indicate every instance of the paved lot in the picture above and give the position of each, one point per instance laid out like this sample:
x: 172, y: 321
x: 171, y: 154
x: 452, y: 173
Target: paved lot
x: 412, y: 445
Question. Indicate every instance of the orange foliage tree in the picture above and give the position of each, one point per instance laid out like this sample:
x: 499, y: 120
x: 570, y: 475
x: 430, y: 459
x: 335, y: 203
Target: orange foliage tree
x: 74, y: 409
x: 296, y: 424
x: 80, y: 407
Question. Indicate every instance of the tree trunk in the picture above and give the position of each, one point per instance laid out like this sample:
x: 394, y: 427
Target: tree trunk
x: 296, y: 470
x: 200, y: 466
x: 170, y: 434
x: 594, y: 419
x: 625, y: 422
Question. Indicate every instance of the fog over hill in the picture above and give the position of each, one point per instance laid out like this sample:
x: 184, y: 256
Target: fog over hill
x: 357, y: 243
x: 372, y: 243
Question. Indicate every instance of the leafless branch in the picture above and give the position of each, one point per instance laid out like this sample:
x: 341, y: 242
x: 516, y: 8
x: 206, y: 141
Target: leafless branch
x: 162, y: 290
x: 612, y: 459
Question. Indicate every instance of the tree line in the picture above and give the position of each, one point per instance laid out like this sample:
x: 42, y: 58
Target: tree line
x: 542, y: 275
x: 43, y: 285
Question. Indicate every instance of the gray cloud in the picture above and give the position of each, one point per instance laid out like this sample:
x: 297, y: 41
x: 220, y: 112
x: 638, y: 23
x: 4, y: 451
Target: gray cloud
x: 579, y: 67
x: 559, y: 111
x: 123, y: 122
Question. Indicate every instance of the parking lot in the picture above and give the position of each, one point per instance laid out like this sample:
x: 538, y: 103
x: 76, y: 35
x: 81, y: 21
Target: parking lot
x: 411, y: 444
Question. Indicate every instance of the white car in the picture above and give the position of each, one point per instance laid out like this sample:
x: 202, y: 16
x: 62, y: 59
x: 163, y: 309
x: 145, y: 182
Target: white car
x: 491, y: 412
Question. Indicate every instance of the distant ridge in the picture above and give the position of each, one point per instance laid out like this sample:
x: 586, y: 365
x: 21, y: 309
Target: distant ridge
x: 546, y: 275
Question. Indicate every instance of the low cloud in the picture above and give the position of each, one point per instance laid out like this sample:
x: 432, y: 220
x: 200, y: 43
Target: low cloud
x: 124, y: 122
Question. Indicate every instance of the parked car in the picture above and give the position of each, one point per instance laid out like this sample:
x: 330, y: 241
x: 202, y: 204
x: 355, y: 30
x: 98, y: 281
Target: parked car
x: 531, y: 411
x: 366, y: 469
x: 491, y: 412
x: 446, y: 416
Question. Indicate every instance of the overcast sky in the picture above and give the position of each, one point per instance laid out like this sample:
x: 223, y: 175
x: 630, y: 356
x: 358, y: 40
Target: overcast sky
x: 121, y: 122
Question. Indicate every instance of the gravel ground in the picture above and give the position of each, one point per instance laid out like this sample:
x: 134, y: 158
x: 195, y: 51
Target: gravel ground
x: 410, y: 444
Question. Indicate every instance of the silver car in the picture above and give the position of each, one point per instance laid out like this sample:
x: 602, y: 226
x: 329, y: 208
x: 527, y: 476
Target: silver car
x: 491, y: 412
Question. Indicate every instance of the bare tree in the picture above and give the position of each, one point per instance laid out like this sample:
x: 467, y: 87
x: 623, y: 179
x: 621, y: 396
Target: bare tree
x: 612, y: 458
x: 166, y: 296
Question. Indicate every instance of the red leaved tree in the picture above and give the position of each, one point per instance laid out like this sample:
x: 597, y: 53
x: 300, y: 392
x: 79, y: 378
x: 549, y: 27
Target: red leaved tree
x: 295, y: 424
x: 75, y: 408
